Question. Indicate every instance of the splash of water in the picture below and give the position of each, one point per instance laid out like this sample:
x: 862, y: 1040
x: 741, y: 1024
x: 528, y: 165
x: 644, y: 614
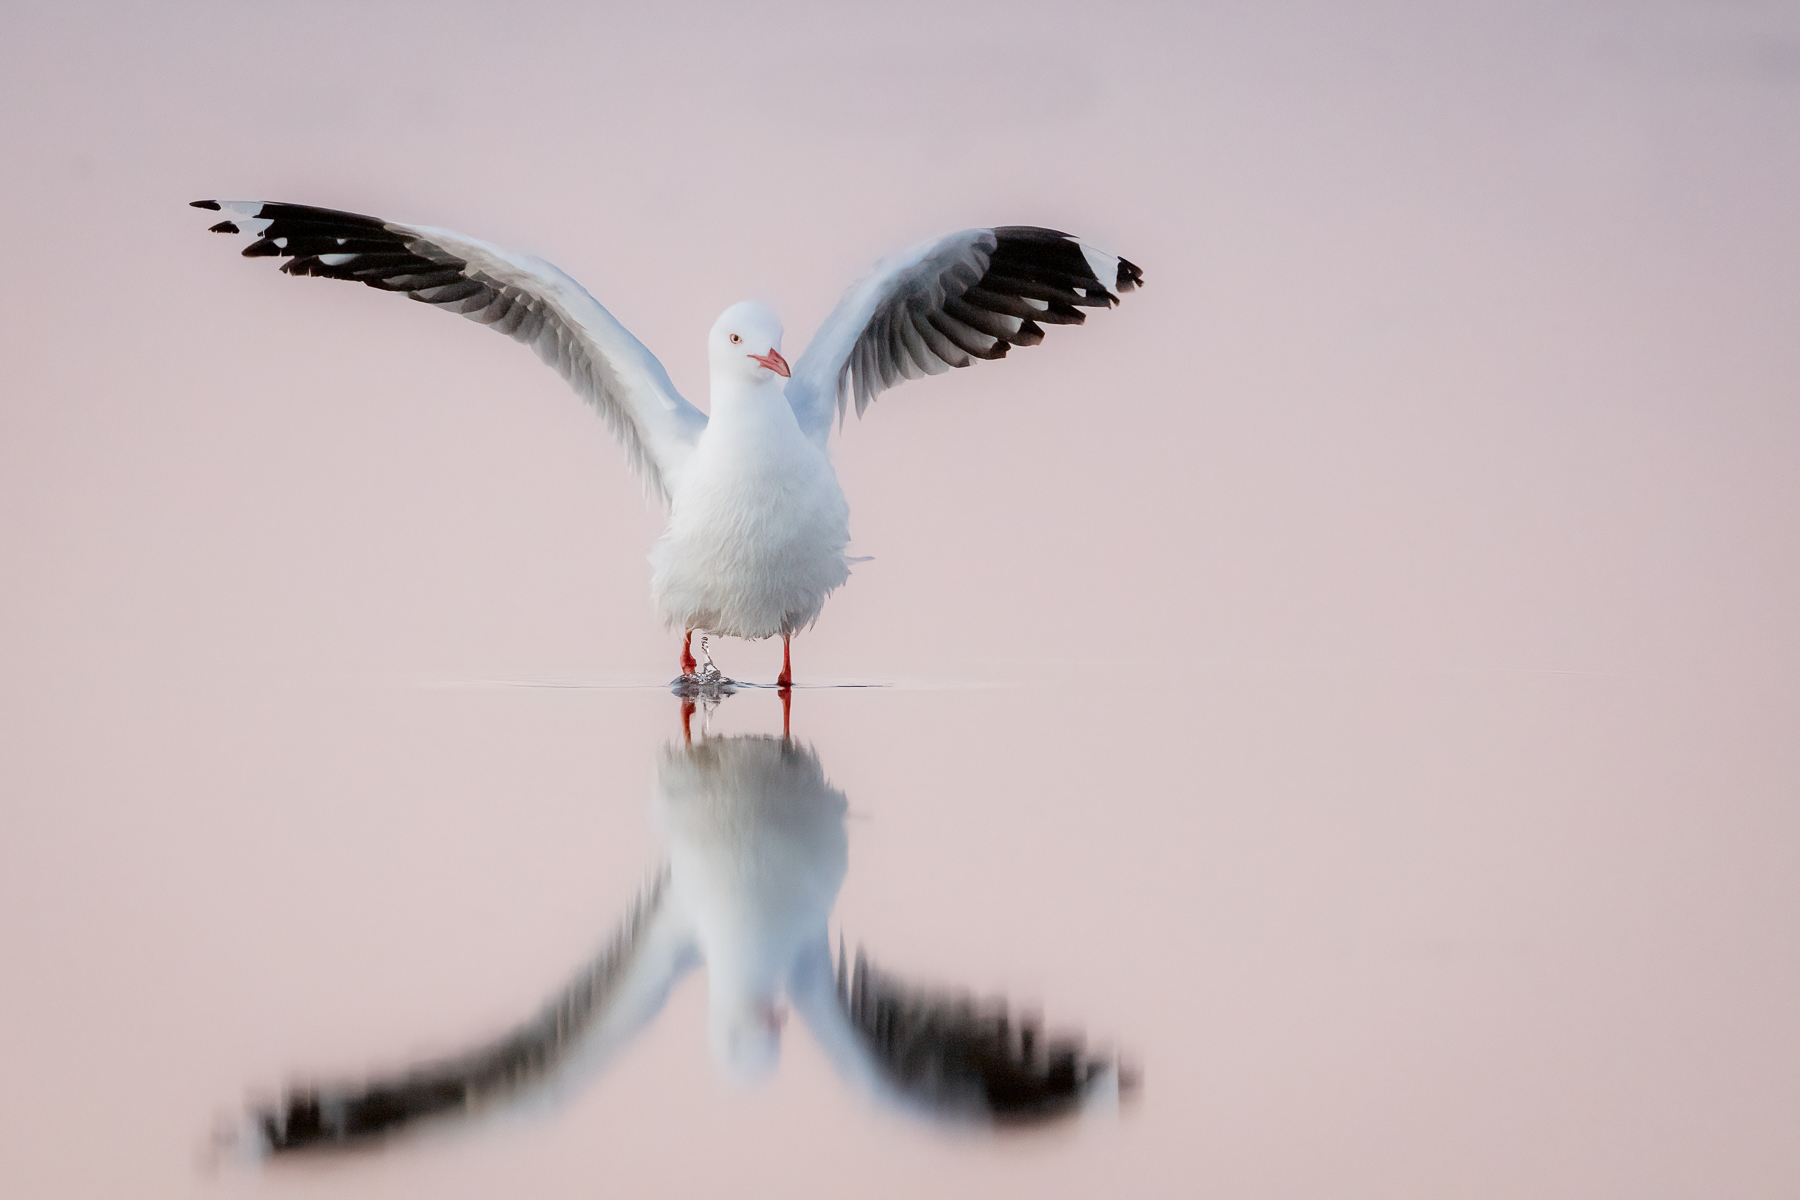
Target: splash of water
x: 708, y: 684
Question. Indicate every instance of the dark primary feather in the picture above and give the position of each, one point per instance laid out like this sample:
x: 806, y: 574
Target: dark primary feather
x: 957, y: 1055
x: 310, y: 1118
x: 979, y: 305
x: 340, y: 245
x: 520, y: 303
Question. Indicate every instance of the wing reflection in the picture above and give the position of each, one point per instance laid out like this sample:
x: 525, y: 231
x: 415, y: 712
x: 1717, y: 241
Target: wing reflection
x: 949, y: 1055
x: 594, y: 1016
x: 757, y: 852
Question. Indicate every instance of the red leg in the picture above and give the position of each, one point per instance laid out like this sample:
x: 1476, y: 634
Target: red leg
x: 786, y: 678
x: 687, y: 654
x: 787, y: 703
x: 687, y: 717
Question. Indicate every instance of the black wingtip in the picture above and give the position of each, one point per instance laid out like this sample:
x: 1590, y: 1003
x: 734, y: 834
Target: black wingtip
x: 223, y: 227
x: 212, y: 204
x: 1130, y: 276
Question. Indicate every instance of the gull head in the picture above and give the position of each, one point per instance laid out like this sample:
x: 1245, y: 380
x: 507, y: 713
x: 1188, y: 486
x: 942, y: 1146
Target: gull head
x: 745, y: 344
x: 746, y: 1037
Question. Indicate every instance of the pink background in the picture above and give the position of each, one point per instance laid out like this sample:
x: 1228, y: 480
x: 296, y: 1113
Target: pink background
x: 1357, y: 676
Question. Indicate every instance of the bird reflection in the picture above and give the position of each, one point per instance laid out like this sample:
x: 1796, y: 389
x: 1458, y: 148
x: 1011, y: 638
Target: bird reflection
x: 757, y: 852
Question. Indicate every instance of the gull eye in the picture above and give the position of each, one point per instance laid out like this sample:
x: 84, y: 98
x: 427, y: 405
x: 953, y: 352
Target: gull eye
x: 736, y: 340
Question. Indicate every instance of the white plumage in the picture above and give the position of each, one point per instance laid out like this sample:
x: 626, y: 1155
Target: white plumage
x: 757, y: 521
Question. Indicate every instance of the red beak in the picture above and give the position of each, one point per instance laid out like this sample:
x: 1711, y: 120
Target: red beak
x: 774, y: 362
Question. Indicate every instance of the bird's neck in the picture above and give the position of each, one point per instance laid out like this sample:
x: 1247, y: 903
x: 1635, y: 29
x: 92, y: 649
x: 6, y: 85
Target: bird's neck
x: 737, y: 403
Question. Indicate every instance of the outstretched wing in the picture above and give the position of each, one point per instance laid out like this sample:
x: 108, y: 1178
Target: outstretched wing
x: 526, y: 298
x: 945, y: 1055
x: 974, y: 294
x: 605, y: 1005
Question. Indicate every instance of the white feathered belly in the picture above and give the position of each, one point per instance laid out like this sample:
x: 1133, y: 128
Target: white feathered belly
x: 752, y: 553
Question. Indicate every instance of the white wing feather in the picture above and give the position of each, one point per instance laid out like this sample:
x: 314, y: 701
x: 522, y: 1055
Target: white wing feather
x: 526, y: 298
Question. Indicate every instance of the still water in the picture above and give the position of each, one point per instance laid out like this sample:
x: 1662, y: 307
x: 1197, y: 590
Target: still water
x: 1460, y: 927
x: 757, y: 852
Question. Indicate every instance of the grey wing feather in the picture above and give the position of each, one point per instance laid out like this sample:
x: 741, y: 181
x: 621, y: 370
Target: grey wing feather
x: 525, y: 298
x: 973, y: 294
x: 612, y: 998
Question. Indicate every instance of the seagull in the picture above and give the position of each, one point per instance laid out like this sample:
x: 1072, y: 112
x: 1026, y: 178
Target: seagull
x: 757, y: 853
x: 757, y: 523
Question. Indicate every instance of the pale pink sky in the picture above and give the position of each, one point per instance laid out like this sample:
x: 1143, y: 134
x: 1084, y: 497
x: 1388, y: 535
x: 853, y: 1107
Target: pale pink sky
x: 1357, y: 675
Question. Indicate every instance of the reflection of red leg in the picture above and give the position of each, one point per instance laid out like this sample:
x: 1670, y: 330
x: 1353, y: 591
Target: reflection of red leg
x: 687, y: 716
x: 687, y: 654
x: 786, y: 678
x: 787, y: 703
